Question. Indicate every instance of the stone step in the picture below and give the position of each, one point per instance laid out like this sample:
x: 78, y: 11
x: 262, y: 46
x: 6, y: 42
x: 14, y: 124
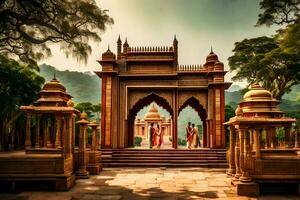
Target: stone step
x: 164, y: 158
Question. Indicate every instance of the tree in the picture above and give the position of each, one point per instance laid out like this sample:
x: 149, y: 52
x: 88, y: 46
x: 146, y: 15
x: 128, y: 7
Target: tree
x: 263, y: 60
x: 278, y: 12
x: 18, y: 86
x: 28, y: 27
x: 90, y: 109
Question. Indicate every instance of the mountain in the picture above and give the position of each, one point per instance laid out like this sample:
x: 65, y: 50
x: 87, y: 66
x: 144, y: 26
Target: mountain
x: 84, y: 87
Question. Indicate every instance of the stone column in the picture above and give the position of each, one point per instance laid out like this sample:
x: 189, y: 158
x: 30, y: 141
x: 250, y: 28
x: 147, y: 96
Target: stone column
x: 28, y: 131
x: 287, y: 136
x: 241, y: 144
x: 58, y: 132
x: 257, y: 144
x: 273, y: 138
x: 245, y: 175
x: 47, y: 135
x: 251, y: 138
x: 37, y: 132
x: 82, y: 159
x: 297, y: 139
x: 231, y: 169
x: 237, y: 157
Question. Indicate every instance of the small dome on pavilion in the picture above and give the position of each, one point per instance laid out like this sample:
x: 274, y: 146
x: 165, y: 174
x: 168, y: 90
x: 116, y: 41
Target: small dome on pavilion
x: 108, y: 54
x: 54, y: 84
x: 257, y: 92
x: 83, y: 115
x: 212, y: 57
x: 152, y: 113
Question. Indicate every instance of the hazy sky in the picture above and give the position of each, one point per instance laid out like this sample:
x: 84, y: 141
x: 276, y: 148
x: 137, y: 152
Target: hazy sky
x: 198, y: 25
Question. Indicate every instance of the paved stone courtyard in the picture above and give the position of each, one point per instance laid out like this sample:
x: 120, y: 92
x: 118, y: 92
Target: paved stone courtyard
x: 144, y: 184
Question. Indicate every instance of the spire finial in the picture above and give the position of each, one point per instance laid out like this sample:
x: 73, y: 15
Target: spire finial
x: 175, y: 39
x: 211, y: 50
x: 119, y: 39
x: 108, y: 47
x: 54, y: 78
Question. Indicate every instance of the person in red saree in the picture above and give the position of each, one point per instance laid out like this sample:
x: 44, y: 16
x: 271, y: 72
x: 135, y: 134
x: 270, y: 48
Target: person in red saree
x: 189, y: 134
x: 151, y: 132
x: 153, y: 136
x: 159, y: 136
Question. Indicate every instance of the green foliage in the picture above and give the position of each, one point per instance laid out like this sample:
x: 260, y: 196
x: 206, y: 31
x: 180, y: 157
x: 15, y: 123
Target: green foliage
x: 28, y: 27
x: 137, y: 141
x: 84, y: 87
x: 18, y: 86
x: 181, y: 142
x: 280, y: 134
x: 278, y: 12
x: 91, y: 110
x: 263, y: 60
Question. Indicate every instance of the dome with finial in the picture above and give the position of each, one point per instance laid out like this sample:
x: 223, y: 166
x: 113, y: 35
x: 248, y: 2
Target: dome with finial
x: 108, y: 55
x: 83, y: 115
x: 53, y: 94
x: 258, y: 102
x: 152, y: 114
x: 257, y: 92
x: 212, y: 57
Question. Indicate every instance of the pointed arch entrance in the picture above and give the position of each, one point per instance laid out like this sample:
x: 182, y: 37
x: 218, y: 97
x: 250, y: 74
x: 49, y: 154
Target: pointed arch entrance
x: 138, y: 106
x: 196, y: 105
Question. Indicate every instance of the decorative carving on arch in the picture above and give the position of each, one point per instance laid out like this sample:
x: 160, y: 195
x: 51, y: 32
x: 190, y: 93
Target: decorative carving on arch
x: 146, y: 101
x: 195, y: 104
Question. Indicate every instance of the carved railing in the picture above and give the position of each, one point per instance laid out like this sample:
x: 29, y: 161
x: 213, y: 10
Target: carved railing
x: 151, y: 49
x: 189, y: 68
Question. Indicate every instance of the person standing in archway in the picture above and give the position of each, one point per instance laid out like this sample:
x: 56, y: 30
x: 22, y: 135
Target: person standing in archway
x: 195, y: 137
x: 188, y: 135
x: 150, y: 136
x: 159, y: 136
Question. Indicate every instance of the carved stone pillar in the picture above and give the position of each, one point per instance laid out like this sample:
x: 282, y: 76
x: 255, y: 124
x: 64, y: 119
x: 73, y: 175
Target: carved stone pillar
x: 94, y: 165
x: 82, y: 159
x: 257, y: 144
x: 231, y: 169
x: 287, y: 136
x: 58, y: 132
x: 273, y: 138
x: 237, y: 157
x: 297, y: 139
x: 28, y: 131
x: 246, y: 147
x: 37, y: 132
x: 47, y: 135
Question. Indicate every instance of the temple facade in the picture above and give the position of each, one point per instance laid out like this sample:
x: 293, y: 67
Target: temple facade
x: 134, y: 77
x: 141, y: 126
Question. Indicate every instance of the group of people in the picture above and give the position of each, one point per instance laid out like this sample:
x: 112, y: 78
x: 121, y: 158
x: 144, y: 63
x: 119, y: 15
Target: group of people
x: 155, y: 136
x: 192, y: 136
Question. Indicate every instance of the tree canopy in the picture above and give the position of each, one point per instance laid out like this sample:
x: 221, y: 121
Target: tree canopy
x: 28, y: 27
x: 90, y: 109
x: 272, y: 61
x: 18, y: 86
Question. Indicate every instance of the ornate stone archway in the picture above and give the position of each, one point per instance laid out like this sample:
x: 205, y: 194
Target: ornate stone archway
x: 141, y: 104
x: 136, y: 72
x: 196, y: 105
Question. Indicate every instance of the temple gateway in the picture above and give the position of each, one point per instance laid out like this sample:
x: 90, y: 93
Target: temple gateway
x: 137, y: 76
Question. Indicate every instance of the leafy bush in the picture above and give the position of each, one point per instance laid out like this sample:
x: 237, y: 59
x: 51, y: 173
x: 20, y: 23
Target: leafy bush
x: 137, y: 141
x: 181, y: 142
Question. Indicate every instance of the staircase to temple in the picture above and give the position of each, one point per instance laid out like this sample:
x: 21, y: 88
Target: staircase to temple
x: 211, y: 158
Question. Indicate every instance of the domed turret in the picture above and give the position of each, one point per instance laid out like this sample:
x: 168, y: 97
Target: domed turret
x: 257, y: 92
x: 212, y: 57
x: 108, y: 55
x: 152, y: 114
x: 258, y: 102
x: 54, y: 85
